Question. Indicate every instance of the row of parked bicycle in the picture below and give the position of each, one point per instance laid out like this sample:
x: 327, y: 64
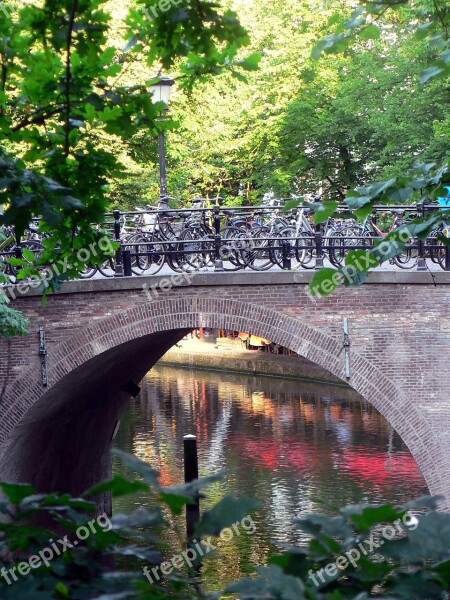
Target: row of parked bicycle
x: 202, y: 237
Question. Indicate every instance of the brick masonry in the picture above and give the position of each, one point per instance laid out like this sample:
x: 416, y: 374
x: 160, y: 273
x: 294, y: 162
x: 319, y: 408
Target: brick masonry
x: 399, y: 325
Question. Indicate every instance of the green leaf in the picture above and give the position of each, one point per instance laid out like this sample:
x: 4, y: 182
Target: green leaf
x: 62, y: 590
x: 192, y: 488
x: 371, y: 571
x: 138, y: 466
x: 227, y: 512
x: 28, y: 255
x: 118, y: 486
x: 431, y: 539
x: 365, y: 516
x: 141, y: 517
x: 360, y: 259
x: 371, y: 32
x: 324, y: 281
x: 271, y: 584
x: 336, y: 18
x: 428, y: 502
x: 400, y: 195
x: 251, y: 62
x: 431, y: 72
x: 175, y: 502
x: 290, y: 204
x: 363, y: 211
x: 147, y: 554
x: 443, y: 570
x: 423, y: 30
x: 377, y: 188
x: 327, y: 44
x: 355, y: 202
x: 325, y: 210
x: 16, y: 492
x: 333, y: 526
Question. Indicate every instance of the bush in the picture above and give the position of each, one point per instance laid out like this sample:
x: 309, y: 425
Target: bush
x: 362, y: 552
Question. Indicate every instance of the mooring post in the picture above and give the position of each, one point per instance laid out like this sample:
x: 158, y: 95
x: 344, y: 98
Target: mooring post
x: 126, y: 261
x: 286, y: 254
x: 191, y: 473
x: 319, y: 247
x: 421, y: 259
x: 447, y: 258
x: 218, y: 262
x: 118, y: 268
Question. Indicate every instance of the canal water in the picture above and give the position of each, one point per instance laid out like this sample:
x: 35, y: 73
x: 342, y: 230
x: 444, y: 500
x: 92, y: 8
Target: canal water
x: 296, y: 447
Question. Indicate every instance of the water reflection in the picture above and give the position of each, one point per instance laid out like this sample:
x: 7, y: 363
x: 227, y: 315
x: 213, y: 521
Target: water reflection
x: 294, y: 446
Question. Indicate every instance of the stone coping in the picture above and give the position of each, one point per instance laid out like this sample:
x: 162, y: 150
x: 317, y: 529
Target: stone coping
x: 240, y: 278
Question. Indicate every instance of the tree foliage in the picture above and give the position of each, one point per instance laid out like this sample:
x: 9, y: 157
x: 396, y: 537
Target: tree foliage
x: 309, y: 120
x: 66, y: 105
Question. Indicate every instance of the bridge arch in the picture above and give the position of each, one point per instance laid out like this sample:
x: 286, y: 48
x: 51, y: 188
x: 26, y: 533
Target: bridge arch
x: 91, y: 377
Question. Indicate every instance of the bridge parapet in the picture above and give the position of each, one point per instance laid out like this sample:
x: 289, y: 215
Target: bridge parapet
x: 101, y: 334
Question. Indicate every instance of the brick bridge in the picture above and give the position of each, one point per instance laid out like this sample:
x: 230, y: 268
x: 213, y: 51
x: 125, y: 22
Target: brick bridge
x: 102, y: 336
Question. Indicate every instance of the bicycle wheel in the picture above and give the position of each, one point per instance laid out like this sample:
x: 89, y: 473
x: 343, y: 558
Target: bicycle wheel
x: 5, y: 267
x: 409, y: 257
x: 259, y: 254
x: 196, y: 251
x: 147, y: 255
x: 345, y: 238
x: 437, y: 254
x: 107, y: 268
x: 233, y: 242
x: 305, y: 246
x: 174, y: 254
x: 288, y: 235
x: 441, y: 253
x: 88, y: 271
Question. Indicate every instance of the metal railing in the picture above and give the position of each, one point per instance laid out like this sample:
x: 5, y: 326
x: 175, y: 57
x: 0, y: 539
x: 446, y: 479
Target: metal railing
x: 220, y: 238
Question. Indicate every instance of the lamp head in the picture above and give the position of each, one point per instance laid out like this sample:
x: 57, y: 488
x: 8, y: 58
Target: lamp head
x: 160, y: 90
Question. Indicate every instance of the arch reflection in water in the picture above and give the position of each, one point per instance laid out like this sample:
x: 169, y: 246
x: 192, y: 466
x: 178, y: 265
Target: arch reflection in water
x: 294, y: 446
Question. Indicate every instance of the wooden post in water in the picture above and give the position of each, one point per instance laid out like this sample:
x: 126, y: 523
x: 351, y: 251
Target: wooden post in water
x: 191, y: 473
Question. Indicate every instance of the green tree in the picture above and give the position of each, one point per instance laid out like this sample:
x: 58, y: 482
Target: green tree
x: 301, y: 124
x: 64, y: 101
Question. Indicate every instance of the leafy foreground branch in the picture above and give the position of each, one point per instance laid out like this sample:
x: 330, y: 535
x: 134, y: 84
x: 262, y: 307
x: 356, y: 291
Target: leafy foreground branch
x: 74, y: 89
x: 363, y: 552
x: 424, y: 185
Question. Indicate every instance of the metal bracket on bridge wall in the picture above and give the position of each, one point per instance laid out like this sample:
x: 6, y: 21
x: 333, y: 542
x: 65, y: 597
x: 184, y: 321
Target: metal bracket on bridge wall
x: 346, y: 349
x: 43, y: 355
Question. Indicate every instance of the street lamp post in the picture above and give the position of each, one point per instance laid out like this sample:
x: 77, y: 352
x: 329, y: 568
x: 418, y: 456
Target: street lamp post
x: 161, y: 93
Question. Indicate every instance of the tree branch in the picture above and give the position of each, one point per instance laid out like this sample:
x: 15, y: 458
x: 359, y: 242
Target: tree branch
x: 37, y: 119
x: 440, y: 16
x: 68, y: 72
x: 333, y: 183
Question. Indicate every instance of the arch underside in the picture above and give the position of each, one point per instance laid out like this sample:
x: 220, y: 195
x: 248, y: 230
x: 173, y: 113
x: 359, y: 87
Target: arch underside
x: 92, y: 374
